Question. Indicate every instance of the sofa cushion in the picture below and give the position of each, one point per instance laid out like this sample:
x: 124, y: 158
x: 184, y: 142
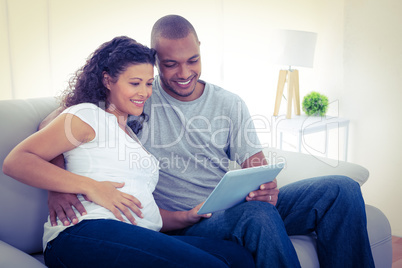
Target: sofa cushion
x: 300, y: 166
x: 12, y: 257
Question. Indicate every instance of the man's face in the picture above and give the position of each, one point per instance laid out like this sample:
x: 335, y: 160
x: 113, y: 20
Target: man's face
x: 179, y: 66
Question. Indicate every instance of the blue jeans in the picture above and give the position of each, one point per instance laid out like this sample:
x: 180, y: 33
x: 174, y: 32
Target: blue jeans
x: 111, y: 243
x: 330, y: 206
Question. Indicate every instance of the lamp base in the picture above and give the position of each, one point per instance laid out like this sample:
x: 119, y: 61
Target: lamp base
x: 292, y: 79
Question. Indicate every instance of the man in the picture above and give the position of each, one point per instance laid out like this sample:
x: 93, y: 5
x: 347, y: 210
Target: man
x: 194, y: 129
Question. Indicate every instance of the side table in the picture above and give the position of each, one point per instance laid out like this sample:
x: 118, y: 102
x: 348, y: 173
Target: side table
x: 301, y: 125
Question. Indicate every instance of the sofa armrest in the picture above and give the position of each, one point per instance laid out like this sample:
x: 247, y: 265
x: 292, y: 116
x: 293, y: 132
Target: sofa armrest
x: 23, y: 208
x: 380, y: 235
x: 300, y: 166
x: 13, y: 257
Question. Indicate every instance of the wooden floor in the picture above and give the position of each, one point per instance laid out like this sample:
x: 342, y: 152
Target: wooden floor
x: 396, y: 252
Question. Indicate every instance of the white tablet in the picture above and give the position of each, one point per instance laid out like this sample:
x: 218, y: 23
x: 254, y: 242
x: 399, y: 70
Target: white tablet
x: 236, y: 185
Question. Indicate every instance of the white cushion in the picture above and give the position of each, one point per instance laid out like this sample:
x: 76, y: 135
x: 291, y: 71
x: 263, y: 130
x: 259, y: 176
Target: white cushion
x: 300, y: 166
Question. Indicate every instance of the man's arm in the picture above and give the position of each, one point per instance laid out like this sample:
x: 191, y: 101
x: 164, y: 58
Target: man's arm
x: 268, y: 192
x: 61, y: 204
x: 175, y: 220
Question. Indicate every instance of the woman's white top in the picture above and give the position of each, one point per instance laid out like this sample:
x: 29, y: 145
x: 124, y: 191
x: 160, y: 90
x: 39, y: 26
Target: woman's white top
x: 111, y: 156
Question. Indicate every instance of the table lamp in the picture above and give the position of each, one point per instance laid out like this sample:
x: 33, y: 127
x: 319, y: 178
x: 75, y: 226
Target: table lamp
x: 297, y: 50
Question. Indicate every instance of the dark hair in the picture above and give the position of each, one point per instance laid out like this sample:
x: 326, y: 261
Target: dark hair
x: 112, y: 57
x: 171, y: 27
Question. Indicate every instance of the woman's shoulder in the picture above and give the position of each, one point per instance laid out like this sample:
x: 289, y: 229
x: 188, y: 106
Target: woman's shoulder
x: 85, y: 109
x: 87, y: 112
x: 81, y: 106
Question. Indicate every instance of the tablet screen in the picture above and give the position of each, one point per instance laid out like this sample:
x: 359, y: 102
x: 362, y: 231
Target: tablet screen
x: 236, y: 185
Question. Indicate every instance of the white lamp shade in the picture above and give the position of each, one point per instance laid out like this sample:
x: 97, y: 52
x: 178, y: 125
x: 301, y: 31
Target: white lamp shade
x: 297, y: 48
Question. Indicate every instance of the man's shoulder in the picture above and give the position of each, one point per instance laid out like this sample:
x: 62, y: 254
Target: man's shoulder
x: 219, y: 92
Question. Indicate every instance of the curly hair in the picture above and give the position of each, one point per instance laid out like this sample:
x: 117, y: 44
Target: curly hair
x: 113, y: 57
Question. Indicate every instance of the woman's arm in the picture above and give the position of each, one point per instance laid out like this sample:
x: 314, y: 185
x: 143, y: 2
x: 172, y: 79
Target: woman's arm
x: 29, y: 163
x: 48, y: 119
x: 61, y: 204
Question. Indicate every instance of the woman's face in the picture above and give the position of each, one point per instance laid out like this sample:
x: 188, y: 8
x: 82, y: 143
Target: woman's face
x: 133, y: 87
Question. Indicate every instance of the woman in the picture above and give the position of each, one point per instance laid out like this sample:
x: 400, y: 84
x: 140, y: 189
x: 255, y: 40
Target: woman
x: 102, y: 154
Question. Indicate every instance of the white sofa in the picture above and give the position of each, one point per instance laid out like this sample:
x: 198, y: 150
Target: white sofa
x: 23, y: 209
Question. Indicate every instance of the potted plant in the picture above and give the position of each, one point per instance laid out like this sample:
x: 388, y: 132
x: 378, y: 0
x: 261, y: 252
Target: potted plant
x: 315, y: 103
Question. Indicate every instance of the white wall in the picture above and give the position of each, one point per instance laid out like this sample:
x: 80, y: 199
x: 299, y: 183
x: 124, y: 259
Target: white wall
x: 43, y: 42
x: 24, y: 48
x: 372, y: 96
x: 357, y: 61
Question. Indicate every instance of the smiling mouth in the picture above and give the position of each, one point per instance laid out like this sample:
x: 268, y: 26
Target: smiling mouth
x: 184, y: 83
x: 137, y: 102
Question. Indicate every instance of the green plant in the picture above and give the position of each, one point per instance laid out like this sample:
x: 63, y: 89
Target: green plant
x: 315, y: 103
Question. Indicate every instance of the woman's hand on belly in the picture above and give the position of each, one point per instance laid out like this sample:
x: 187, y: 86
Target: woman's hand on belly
x: 105, y: 194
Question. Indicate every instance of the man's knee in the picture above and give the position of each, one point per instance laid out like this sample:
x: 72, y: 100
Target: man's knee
x: 256, y: 213
x: 344, y: 184
x: 342, y: 190
x: 335, y: 183
x: 254, y: 206
x: 258, y: 221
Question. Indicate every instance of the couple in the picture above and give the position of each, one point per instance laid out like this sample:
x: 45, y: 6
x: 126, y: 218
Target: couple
x: 331, y: 206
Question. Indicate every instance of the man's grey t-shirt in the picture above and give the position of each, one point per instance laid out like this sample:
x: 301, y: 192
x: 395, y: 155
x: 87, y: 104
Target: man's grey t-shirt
x: 194, y: 142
